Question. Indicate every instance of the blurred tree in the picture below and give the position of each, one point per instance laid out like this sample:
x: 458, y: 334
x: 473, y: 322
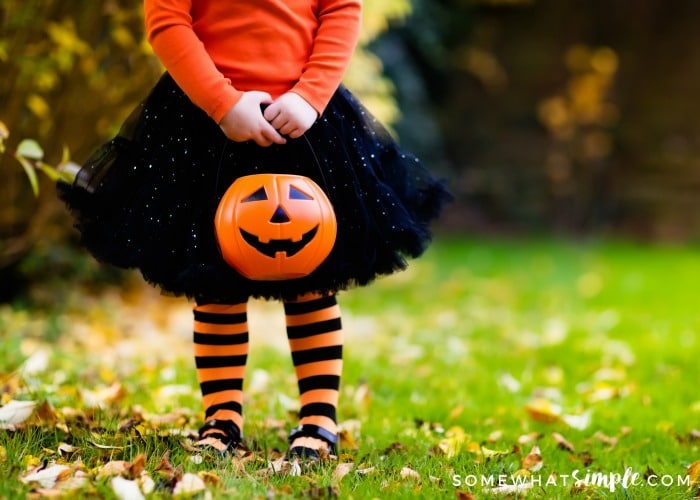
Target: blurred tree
x: 71, y: 72
x: 483, y: 84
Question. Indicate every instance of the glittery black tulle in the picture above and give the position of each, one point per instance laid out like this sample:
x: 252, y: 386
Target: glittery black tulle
x: 147, y: 198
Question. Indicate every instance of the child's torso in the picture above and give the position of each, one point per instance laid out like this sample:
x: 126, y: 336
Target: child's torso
x: 258, y: 44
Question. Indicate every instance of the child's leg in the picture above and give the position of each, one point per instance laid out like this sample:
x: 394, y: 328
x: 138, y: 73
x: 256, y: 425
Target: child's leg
x: 316, y: 341
x: 221, y: 351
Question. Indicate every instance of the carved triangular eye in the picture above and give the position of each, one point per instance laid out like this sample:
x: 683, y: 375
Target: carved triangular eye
x: 297, y: 194
x: 259, y: 195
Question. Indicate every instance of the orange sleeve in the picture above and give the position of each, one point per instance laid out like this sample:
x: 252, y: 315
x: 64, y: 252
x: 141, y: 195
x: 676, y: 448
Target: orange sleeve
x: 169, y: 31
x: 334, y: 44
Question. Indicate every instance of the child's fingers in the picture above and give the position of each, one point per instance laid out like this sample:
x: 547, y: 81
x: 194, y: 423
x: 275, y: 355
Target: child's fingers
x: 296, y: 133
x: 270, y: 136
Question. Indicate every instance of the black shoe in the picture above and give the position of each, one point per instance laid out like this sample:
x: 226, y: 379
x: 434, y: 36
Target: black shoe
x: 226, y: 437
x: 311, y: 431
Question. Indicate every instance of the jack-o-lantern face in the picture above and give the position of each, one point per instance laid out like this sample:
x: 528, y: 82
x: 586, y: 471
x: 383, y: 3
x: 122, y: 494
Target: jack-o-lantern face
x: 275, y: 226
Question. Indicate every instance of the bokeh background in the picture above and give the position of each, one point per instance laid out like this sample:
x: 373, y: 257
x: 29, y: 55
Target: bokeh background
x: 575, y: 118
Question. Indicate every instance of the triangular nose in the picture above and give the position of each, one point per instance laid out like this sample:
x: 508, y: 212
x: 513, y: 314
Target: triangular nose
x: 280, y: 216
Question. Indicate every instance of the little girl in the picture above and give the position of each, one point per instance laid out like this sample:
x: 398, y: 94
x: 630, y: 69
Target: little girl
x: 254, y: 86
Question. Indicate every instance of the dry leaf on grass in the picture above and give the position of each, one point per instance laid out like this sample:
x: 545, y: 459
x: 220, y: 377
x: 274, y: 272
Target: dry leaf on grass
x: 578, y: 422
x: 104, y: 396
x: 189, y: 485
x: 612, y: 441
x: 125, y: 489
x: 562, y: 442
x: 528, y: 438
x: 533, y: 461
x: 464, y: 495
x: 47, y: 477
x: 408, y: 473
x: 454, y: 441
x: 114, y: 468
x: 543, y: 410
x: 130, y: 470
x: 694, y: 473
x: 347, y: 442
x: 341, y: 470
x: 494, y: 436
x: 363, y: 471
x: 16, y: 412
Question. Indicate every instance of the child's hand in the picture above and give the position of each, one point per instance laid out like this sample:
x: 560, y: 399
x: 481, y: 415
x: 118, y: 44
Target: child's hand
x: 291, y: 115
x: 245, y: 121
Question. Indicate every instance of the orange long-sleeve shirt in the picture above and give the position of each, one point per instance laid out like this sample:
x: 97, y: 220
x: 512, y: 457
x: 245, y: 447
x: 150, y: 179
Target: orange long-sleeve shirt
x: 217, y: 49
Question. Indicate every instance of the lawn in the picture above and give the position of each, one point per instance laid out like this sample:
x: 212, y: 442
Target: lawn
x: 487, y: 368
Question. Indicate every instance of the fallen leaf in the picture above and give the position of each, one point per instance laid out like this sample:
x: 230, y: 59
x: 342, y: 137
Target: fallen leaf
x: 137, y: 466
x: 294, y: 468
x: 586, y: 458
x: 66, y: 449
x: 408, y: 473
x: 612, y: 441
x: 16, y: 412
x: 694, y: 473
x: 37, y: 363
x: 533, y: 460
x: 165, y: 468
x: 456, y: 412
x: 562, y: 442
x: 362, y: 397
x: 279, y: 465
x: 114, y: 468
x: 454, y: 441
x: 125, y: 489
x: 543, y: 410
x: 45, y: 413
x: 346, y: 440
x: 104, y: 396
x: 341, y: 470
x: 509, y: 382
x: 366, y: 470
x: 189, y: 484
x: 495, y: 436
x: 528, y: 438
x: 146, y: 483
x: 482, y: 451
x: 488, y: 453
x: 464, y: 495
x: 435, y: 480
x: 47, y: 477
x: 64, y: 485
x: 578, y: 422
x: 210, y: 478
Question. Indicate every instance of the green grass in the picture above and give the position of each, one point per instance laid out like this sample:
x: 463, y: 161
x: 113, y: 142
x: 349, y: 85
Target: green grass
x: 441, y: 363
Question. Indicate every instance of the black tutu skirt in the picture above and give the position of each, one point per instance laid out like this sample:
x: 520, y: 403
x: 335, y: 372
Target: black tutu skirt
x: 147, y: 199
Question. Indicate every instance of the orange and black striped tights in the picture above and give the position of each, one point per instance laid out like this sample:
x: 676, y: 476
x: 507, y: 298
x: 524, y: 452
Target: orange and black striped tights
x: 316, y: 342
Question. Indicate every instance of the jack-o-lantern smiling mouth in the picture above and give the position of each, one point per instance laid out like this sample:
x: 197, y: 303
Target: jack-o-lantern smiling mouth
x: 273, y: 247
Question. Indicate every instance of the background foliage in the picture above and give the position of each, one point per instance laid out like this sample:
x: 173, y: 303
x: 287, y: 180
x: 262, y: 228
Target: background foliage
x: 574, y: 116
